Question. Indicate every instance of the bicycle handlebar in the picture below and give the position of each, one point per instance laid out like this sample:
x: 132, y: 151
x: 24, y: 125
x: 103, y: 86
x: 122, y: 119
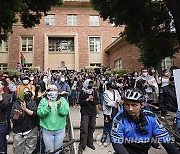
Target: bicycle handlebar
x: 62, y: 147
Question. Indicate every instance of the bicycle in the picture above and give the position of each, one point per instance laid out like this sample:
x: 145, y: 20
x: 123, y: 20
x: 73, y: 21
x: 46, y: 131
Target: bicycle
x: 63, y: 149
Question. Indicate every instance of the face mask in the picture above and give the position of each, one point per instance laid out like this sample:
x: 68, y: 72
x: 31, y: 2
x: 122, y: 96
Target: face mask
x: 166, y: 74
x: 27, y: 96
x: 31, y: 78
x: 62, y: 79
x: 144, y: 74
x: 45, y: 79
x: 153, y: 71
x: 52, y: 95
x: 135, y: 74
x: 25, y: 82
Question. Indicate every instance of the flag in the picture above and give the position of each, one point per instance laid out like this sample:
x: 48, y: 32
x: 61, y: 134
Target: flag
x: 23, y: 60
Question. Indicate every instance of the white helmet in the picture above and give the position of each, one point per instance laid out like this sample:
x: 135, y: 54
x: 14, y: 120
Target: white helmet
x: 133, y: 95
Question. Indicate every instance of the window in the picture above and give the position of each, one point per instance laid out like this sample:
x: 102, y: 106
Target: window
x: 167, y: 63
x: 114, y: 39
x: 27, y: 65
x: 72, y: 20
x: 50, y: 19
x: 95, y: 64
x: 94, y: 20
x: 61, y: 44
x: 27, y: 44
x: 3, y: 46
x: 3, y: 66
x: 118, y: 64
x: 95, y: 44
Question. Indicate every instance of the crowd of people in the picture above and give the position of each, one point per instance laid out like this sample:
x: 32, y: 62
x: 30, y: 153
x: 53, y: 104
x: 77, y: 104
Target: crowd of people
x: 39, y: 102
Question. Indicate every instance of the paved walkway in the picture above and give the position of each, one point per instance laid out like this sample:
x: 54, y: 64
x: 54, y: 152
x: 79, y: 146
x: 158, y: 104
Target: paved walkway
x: 75, y: 112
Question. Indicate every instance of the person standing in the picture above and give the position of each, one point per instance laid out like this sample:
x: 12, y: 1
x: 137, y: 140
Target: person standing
x: 25, y: 131
x: 5, y: 101
x: 52, y: 111
x: 88, y: 100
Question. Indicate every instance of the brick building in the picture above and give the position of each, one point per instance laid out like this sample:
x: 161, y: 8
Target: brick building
x: 124, y: 55
x: 72, y: 35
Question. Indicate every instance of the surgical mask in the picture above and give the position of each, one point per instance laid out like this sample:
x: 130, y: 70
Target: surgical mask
x: 52, y: 95
x: 135, y: 74
x: 62, y: 79
x: 45, y: 79
x: 144, y: 74
x: 167, y: 74
x: 31, y: 78
x: 25, y: 82
x: 153, y: 71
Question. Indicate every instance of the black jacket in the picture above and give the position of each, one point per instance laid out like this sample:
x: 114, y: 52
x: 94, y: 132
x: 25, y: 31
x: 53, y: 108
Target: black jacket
x: 25, y: 122
x: 168, y: 99
x: 88, y: 108
x: 5, y: 105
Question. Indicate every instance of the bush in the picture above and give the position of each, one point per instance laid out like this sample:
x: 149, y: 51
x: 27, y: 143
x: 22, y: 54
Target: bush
x: 90, y: 68
x: 11, y: 72
x: 34, y: 69
x: 120, y: 72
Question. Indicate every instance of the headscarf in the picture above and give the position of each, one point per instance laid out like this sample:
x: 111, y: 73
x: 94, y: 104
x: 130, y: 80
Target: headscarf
x: 85, y: 87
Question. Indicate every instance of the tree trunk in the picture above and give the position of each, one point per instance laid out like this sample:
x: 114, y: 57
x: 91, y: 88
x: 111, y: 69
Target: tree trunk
x: 174, y: 8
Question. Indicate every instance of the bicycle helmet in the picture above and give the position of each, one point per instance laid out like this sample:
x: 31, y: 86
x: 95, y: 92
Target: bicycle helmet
x: 133, y: 95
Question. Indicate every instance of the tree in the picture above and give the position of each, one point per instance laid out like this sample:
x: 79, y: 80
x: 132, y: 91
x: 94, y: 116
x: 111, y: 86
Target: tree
x: 147, y: 25
x: 29, y: 11
x: 173, y: 6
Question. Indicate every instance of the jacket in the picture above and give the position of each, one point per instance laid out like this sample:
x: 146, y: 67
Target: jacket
x: 53, y: 118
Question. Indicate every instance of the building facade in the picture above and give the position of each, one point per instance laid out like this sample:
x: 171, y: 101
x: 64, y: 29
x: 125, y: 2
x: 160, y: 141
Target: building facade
x: 70, y: 36
x: 122, y: 55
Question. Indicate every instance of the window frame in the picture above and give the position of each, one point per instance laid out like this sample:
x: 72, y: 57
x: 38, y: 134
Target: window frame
x: 3, y: 67
x: 72, y: 20
x: 27, y: 39
x: 92, y: 20
x: 94, y: 45
x: 65, y: 44
x: 119, y: 64
x: 48, y: 21
x: 4, y: 47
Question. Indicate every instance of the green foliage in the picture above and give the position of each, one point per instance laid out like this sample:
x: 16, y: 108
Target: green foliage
x: 34, y: 69
x: 11, y: 72
x: 30, y: 12
x: 91, y: 68
x: 115, y: 71
x: 147, y: 25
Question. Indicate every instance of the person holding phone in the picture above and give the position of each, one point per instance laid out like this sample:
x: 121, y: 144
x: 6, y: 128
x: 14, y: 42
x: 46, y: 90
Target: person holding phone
x: 88, y: 100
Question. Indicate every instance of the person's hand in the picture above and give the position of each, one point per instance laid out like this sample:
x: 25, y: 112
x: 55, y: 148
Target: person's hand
x: 58, y: 103
x: 17, y: 112
x: 62, y: 93
x: 23, y: 106
x: 49, y: 104
x: 91, y: 97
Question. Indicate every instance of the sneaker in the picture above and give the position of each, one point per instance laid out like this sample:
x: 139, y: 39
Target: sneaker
x: 7, y: 137
x: 92, y: 147
x: 80, y: 151
x: 103, y: 138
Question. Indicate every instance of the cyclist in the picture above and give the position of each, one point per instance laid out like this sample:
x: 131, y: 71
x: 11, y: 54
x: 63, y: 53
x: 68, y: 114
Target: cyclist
x: 134, y: 129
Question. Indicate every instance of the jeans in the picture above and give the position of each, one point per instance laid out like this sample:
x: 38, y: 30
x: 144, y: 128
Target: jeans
x: 25, y: 144
x: 3, y: 141
x: 53, y: 139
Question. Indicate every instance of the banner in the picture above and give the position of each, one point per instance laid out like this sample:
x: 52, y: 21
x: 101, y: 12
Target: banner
x: 176, y: 74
